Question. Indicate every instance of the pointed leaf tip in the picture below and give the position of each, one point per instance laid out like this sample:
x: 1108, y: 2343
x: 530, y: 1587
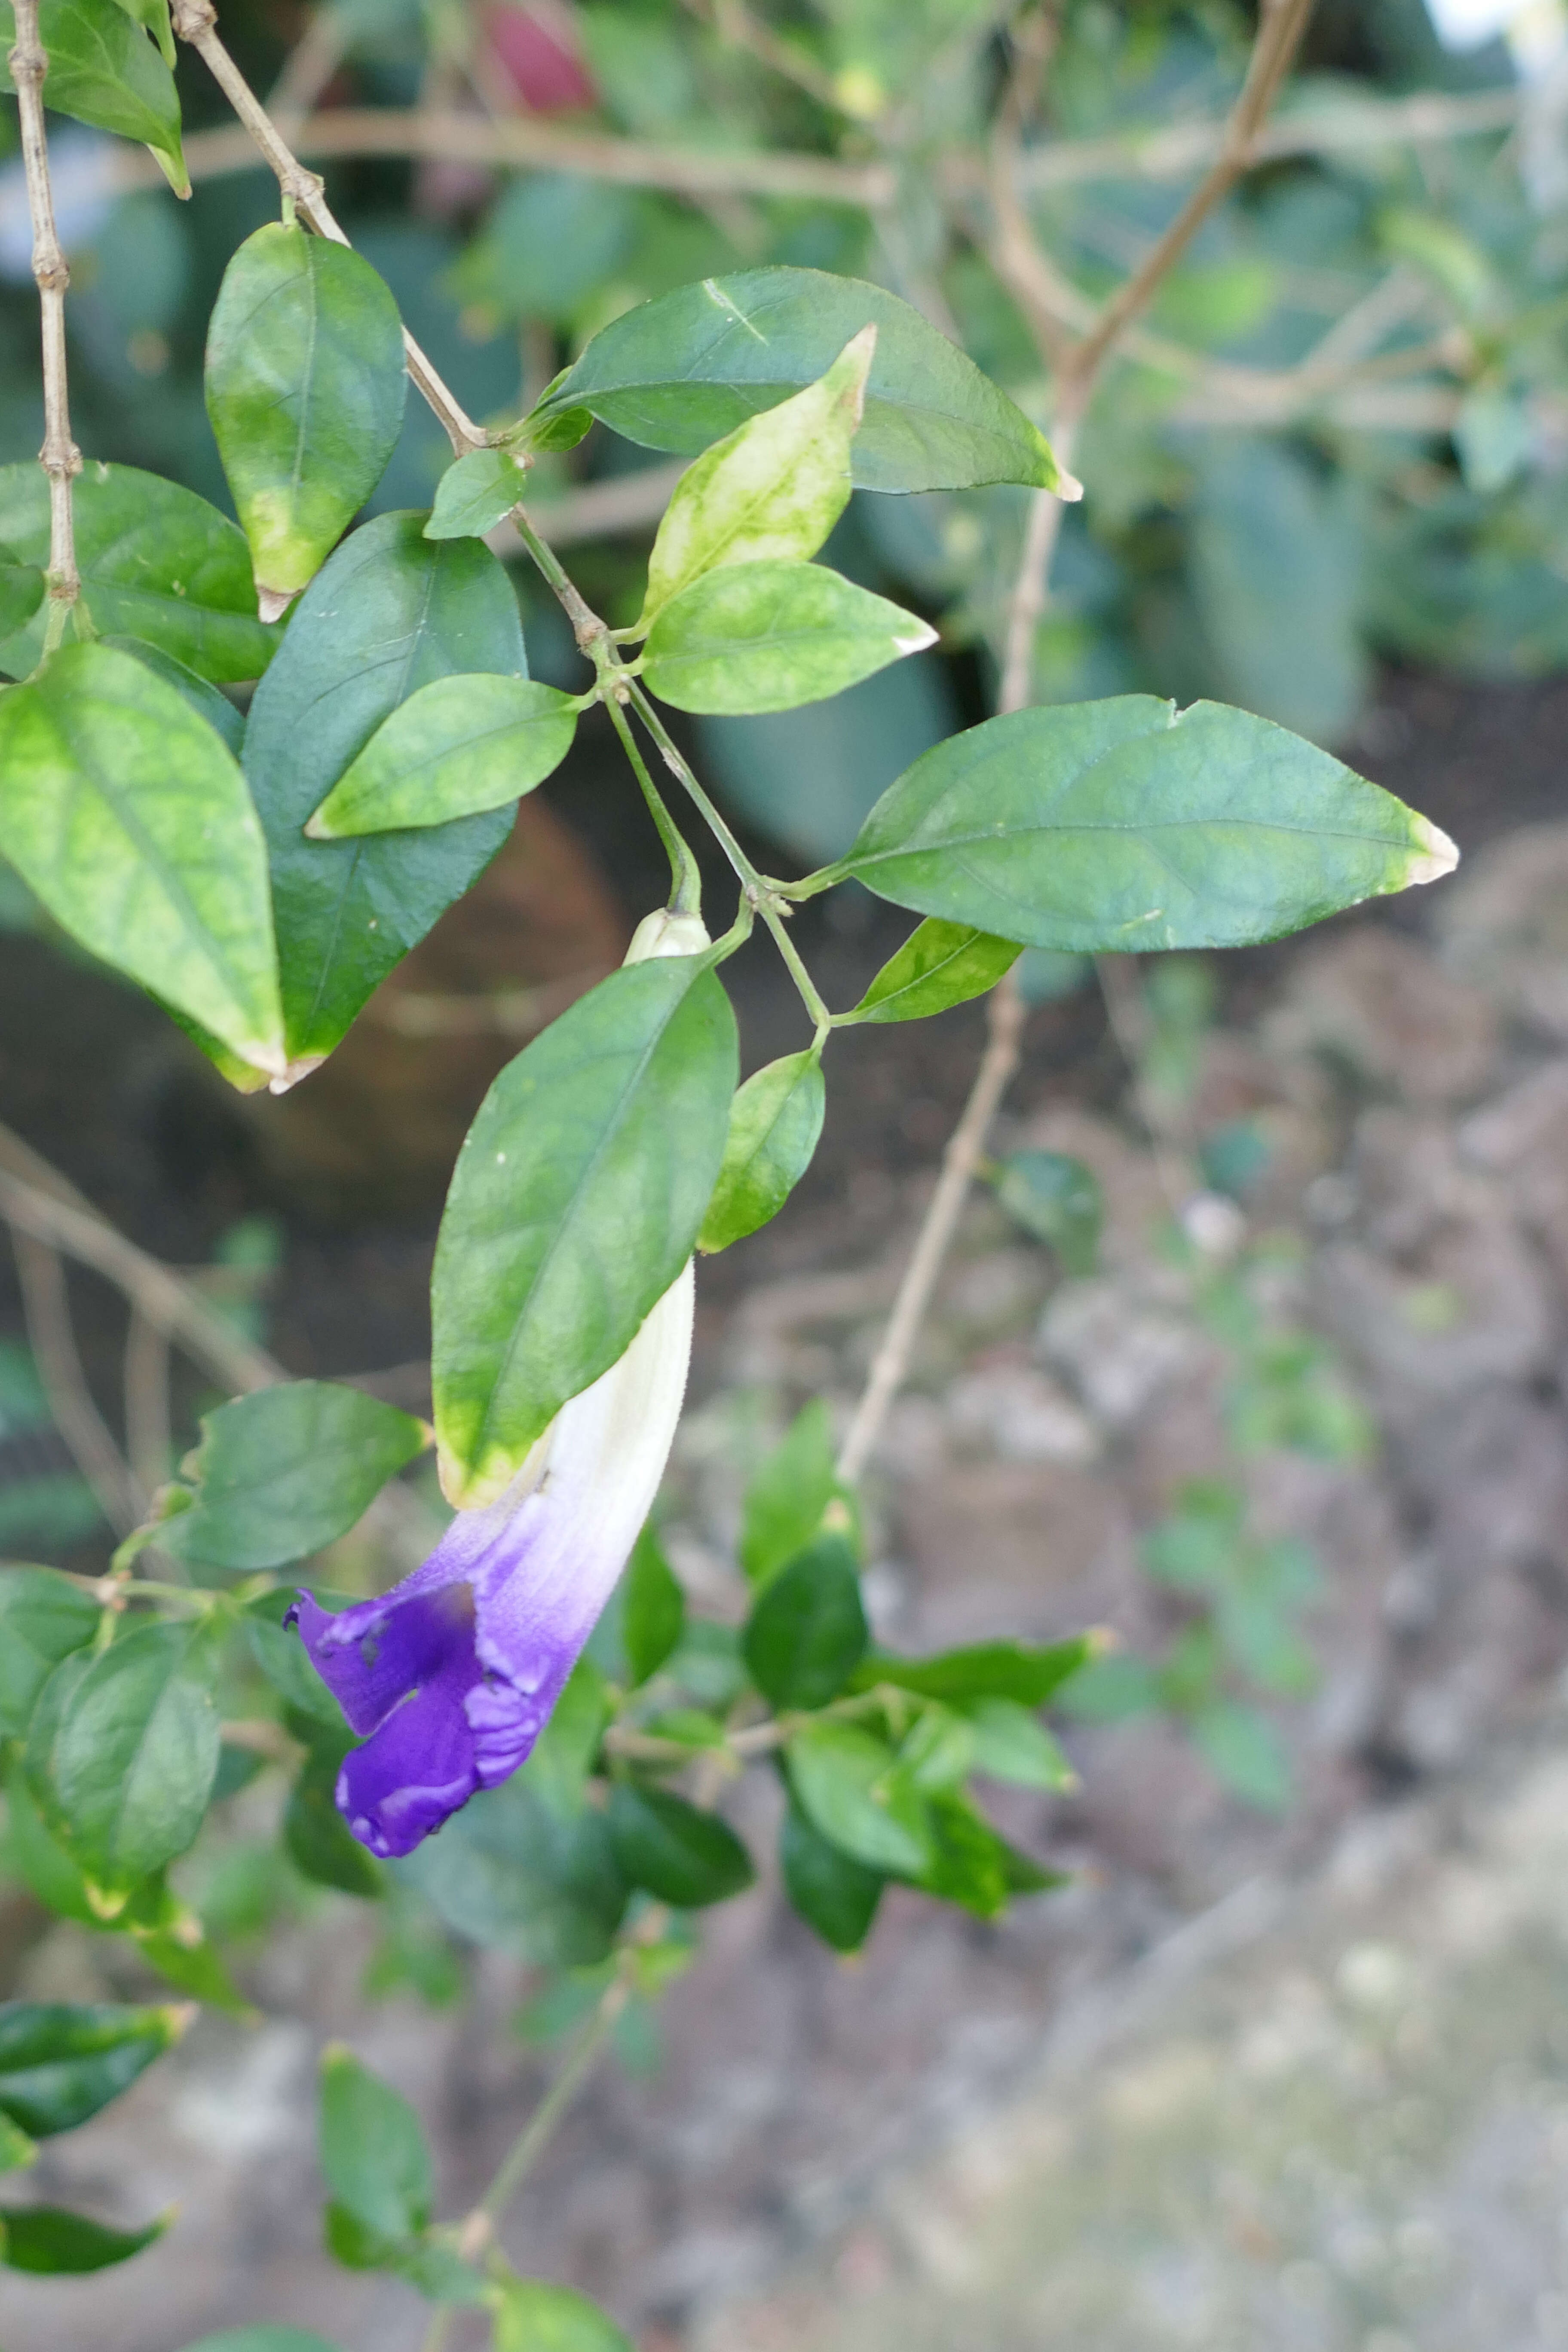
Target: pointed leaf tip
x: 1435, y: 855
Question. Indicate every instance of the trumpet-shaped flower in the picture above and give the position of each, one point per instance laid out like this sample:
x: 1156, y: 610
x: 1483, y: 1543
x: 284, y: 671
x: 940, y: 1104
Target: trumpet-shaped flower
x: 454, y: 1672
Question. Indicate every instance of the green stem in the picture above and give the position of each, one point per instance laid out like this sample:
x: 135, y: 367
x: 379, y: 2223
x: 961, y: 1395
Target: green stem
x: 680, y: 768
x: 803, y: 979
x: 536, y: 2133
x: 686, y: 882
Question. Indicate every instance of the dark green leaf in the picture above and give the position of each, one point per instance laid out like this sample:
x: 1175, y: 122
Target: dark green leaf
x: 785, y: 1503
x: 848, y: 1785
x: 371, y: 2148
x: 305, y: 387
x: 122, y: 1752
x: 316, y: 1837
x: 973, y: 1866
x: 387, y: 613
x: 938, y: 965
x: 153, y: 16
x: 21, y: 592
x: 775, y: 1121
x: 204, y: 698
x: 1058, y: 1200
x: 1124, y: 825
x: 42, y: 1620
x: 47, y: 2239
x: 769, y: 636
x: 679, y: 372
x: 129, y: 817
x: 60, y: 2064
x: 104, y: 72
x: 807, y: 1633
x: 282, y: 1472
x: 286, y: 1662
x: 157, y: 562
x: 513, y: 1873
x: 565, y: 1753
x: 652, y: 1614
x: 458, y: 746
x: 833, y: 1893
x: 681, y: 1854
x: 575, y: 1204
x: 532, y: 2316
x: 473, y: 495
x: 42, y: 1864
x: 986, y: 1670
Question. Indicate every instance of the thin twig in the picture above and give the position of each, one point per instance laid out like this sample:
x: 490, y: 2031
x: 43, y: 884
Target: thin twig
x: 60, y: 456
x: 46, y: 1308
x: 149, y: 1438
x: 195, y: 22
x: 595, y: 510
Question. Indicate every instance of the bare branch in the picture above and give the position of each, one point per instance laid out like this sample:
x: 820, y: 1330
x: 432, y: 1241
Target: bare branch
x: 52, y: 1339
x: 149, y: 1438
x: 596, y: 510
x: 60, y: 456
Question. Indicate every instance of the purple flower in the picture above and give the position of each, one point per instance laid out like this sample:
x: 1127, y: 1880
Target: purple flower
x: 450, y: 1677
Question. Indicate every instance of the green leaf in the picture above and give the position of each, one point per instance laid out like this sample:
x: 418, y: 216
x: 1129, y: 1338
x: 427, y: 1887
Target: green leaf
x: 21, y: 592
x: 1112, y: 1689
x: 784, y: 1504
x: 372, y: 2148
x: 386, y: 614
x: 459, y: 745
x: 40, y: 1864
x: 807, y: 1631
x: 848, y: 1785
x: 157, y: 562
x: 265, y: 2338
x: 104, y: 72
x: 1245, y: 1751
x: 938, y: 964
x: 473, y: 495
x: 1009, y: 1745
x: 305, y: 387
x: 318, y: 1840
x: 938, y: 1749
x: 985, y: 1670
x: 833, y: 1893
x: 973, y: 1866
x: 653, y: 1612
x: 129, y: 818
x: 123, y: 1750
x: 775, y: 1120
x: 769, y: 493
x: 47, y: 2239
x: 1126, y: 824
x: 769, y: 636
x: 16, y: 2151
x: 60, y: 2064
x: 1058, y: 1201
x: 204, y: 698
x: 42, y: 1620
x: 531, y: 2315
x: 513, y: 1873
x: 282, y: 1472
x: 575, y: 1204
x: 679, y: 1853
x: 678, y: 371
x: 565, y: 1754
x: 153, y: 16
x: 286, y: 1662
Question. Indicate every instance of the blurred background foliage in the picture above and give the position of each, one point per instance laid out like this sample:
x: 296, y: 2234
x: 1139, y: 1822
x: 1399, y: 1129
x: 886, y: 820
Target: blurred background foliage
x: 1339, y: 437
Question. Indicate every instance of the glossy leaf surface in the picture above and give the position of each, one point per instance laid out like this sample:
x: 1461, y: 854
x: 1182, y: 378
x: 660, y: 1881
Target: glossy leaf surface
x: 1125, y: 826
x: 849, y: 1784
x: 575, y: 1202
x: 123, y: 1752
x: 678, y: 371
x: 775, y: 1121
x: 47, y: 2239
x: 387, y: 613
x: 104, y: 70
x: 282, y: 1472
x: 60, y: 2062
x: 833, y: 1893
x: 128, y: 816
x: 42, y: 1620
x: 769, y: 493
x: 938, y: 965
x: 459, y: 745
x: 204, y: 698
x: 984, y: 1670
x: 771, y: 637
x: 305, y: 387
x: 157, y: 562
x: 475, y: 493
